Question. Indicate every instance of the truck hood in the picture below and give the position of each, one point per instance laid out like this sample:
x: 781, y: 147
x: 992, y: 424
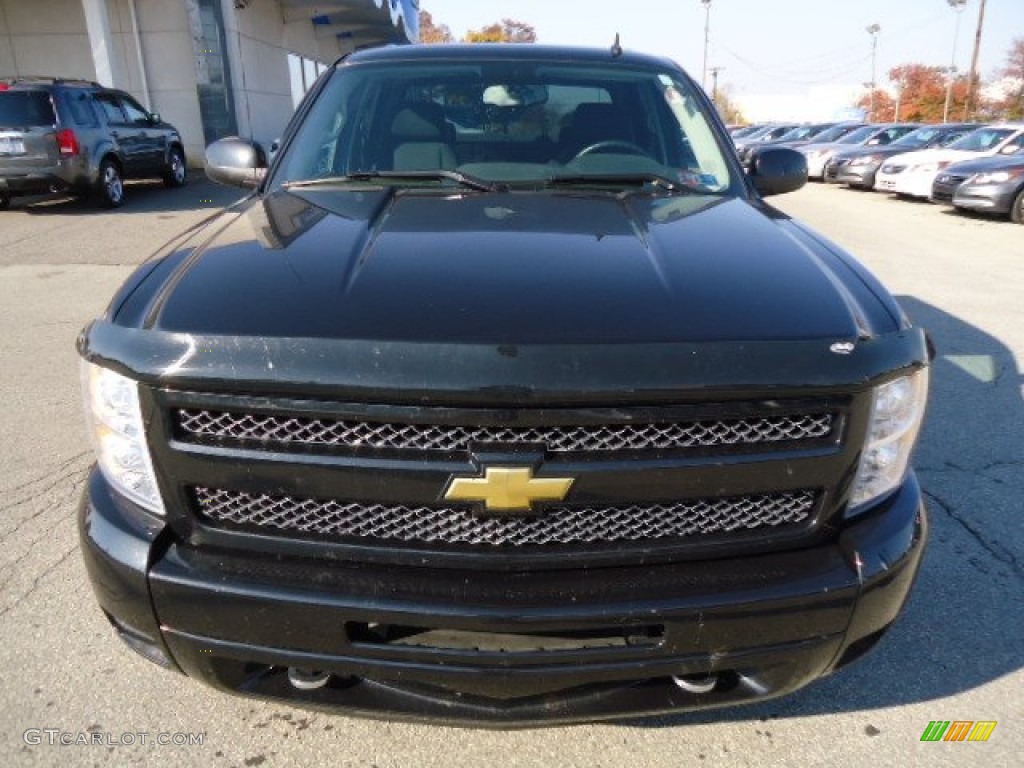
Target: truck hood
x: 435, y: 266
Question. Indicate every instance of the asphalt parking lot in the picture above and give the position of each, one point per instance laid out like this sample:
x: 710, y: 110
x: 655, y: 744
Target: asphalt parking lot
x: 957, y: 653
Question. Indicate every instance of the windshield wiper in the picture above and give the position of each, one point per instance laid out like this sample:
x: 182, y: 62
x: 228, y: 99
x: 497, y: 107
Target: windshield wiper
x: 618, y: 179
x: 465, y: 180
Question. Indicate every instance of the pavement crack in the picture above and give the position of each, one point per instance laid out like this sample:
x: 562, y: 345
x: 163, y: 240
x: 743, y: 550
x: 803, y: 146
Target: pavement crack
x: 76, y: 476
x: 42, y: 478
x: 29, y: 547
x: 37, y: 581
x: 998, y: 552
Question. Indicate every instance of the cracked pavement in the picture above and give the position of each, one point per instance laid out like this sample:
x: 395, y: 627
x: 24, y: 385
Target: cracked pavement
x: 956, y: 653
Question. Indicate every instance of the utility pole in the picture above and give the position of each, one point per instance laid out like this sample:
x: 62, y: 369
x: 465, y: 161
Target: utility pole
x: 958, y: 7
x: 974, y: 62
x: 707, y: 38
x: 899, y: 96
x: 873, y: 30
x: 714, y: 86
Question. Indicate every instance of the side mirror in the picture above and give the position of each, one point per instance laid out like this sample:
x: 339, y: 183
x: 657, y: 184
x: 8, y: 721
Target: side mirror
x: 155, y: 118
x: 236, y: 162
x: 1009, y: 149
x: 778, y: 170
x: 873, y: 142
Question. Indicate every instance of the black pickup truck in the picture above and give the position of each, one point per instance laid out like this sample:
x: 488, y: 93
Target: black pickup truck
x: 504, y: 398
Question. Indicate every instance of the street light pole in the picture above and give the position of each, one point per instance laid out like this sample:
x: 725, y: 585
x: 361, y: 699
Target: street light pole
x: 873, y: 30
x: 958, y: 7
x: 707, y: 37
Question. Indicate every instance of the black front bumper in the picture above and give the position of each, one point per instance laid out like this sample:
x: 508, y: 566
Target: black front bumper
x: 765, y: 625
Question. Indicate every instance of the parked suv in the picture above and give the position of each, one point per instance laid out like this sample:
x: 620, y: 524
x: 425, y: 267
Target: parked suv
x: 545, y: 415
x: 71, y: 135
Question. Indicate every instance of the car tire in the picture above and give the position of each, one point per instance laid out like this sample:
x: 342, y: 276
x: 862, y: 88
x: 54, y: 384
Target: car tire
x: 1017, y: 209
x: 110, y: 185
x: 5, y: 202
x: 175, y: 174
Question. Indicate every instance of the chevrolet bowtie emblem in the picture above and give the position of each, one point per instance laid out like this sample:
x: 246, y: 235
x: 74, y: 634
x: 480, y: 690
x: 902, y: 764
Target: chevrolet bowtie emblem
x: 508, y: 489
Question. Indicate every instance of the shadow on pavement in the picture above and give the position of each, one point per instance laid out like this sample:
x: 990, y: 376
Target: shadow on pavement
x: 964, y: 624
x: 140, y: 197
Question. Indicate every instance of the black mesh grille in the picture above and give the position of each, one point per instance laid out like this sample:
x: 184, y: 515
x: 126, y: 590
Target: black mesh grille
x: 556, y: 526
x: 235, y: 425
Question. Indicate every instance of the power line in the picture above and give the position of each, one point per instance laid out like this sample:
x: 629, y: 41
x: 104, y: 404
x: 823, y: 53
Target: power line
x: 834, y: 73
x: 784, y: 71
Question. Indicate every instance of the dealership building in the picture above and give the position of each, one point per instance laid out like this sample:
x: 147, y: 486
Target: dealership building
x: 213, y: 68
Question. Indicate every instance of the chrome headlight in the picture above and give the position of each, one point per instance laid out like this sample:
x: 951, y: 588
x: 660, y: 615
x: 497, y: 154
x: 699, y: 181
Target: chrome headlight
x: 929, y: 167
x: 995, y: 177
x: 865, y: 160
x: 896, y: 414
x: 119, y: 436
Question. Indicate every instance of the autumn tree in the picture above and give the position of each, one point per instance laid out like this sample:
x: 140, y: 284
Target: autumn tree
x: 506, y: 31
x: 1012, y: 106
x: 434, y: 33
x: 728, y: 109
x: 920, y: 95
x: 884, y: 106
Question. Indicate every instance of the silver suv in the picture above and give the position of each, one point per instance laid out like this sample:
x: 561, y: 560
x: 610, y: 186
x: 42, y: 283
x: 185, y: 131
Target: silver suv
x: 71, y: 135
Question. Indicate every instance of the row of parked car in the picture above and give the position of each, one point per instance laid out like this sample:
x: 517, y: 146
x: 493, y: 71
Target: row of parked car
x: 969, y: 166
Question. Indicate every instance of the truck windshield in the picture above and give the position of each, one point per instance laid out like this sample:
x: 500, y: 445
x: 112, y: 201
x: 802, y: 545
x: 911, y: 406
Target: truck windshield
x: 511, y: 123
x: 25, y: 109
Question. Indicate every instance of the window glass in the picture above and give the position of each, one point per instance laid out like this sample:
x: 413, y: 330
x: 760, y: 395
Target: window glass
x: 81, y: 109
x: 859, y: 135
x: 510, y: 122
x: 110, y: 108
x: 23, y: 109
x: 982, y: 139
x: 136, y: 114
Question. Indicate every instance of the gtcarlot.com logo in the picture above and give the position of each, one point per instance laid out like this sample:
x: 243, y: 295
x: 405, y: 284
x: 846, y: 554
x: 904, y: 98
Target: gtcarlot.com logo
x: 958, y: 730
x: 55, y: 737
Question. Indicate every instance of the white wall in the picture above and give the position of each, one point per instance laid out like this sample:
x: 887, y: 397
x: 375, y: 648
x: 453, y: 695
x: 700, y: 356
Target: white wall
x: 258, y: 42
x: 44, y: 37
x: 49, y: 37
x: 170, y: 65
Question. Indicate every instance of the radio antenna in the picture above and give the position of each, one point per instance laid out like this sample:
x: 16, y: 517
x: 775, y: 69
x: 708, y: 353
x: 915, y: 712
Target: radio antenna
x: 616, y: 48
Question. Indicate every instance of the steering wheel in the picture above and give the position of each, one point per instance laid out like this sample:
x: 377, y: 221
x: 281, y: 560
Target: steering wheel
x: 611, y: 144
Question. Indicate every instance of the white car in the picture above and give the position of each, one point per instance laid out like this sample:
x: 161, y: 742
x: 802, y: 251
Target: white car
x: 913, y: 173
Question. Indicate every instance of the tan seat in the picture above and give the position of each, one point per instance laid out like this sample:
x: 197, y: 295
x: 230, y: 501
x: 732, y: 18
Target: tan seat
x: 421, y: 134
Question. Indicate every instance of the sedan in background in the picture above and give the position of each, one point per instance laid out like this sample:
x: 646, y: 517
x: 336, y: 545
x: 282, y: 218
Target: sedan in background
x: 835, y: 133
x: 857, y: 167
x: 987, y: 185
x: 801, y: 134
x: 883, y: 134
x: 739, y: 131
x: 770, y: 134
x: 913, y: 174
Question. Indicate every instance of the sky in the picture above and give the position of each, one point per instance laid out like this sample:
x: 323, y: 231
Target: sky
x: 780, y: 59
